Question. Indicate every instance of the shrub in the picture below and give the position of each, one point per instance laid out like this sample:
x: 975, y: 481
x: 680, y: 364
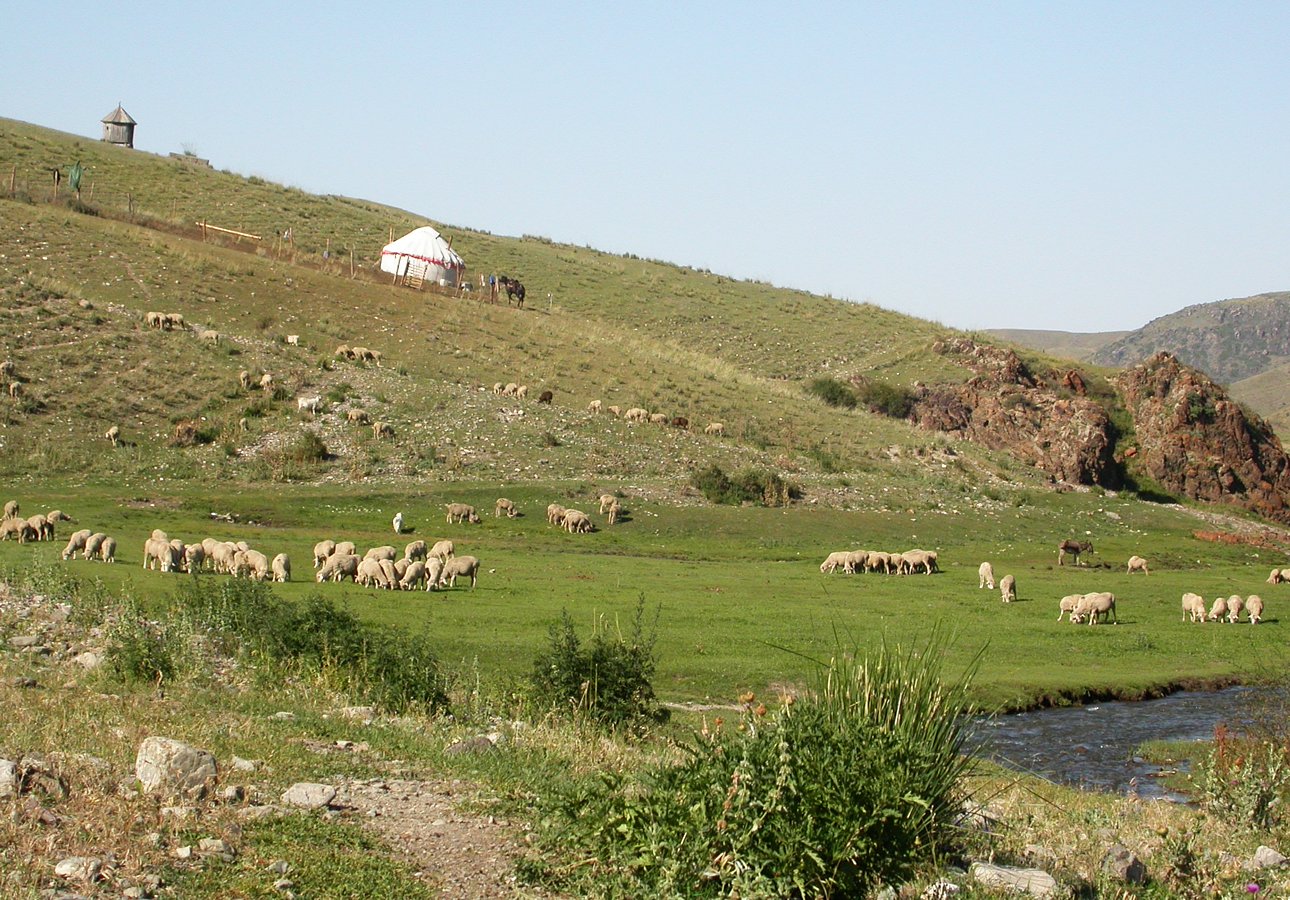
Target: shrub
x: 832, y: 392
x: 608, y: 680
x: 859, y: 782
x: 887, y: 399
x: 751, y: 486
x: 1245, y: 783
x: 139, y: 650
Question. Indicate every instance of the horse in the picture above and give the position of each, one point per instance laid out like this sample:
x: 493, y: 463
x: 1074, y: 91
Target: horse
x: 514, y: 289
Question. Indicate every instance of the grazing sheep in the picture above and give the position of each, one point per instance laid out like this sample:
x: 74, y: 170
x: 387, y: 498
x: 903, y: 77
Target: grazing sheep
x: 1066, y: 606
x: 546, y: 397
x: 174, y: 320
x: 594, y: 407
x: 577, y: 522
x: 194, y: 557
x: 6, y: 370
x: 93, y: 544
x: 504, y: 506
x: 344, y: 352
x: 434, y: 567
x: 459, y: 565
x: 156, y: 553
x: 266, y: 382
x: 615, y: 510
x: 497, y: 387
x: 223, y: 557
x: 207, y: 334
x: 15, y: 389
x: 510, y: 389
x: 834, y: 561
x: 11, y: 509
x: 919, y: 559
x: 401, y: 566
x: 462, y: 512
x: 1008, y: 588
x: 281, y: 568
x: 658, y: 418
x: 107, y: 550
x: 1095, y: 606
x: 310, y: 405
x: 855, y: 559
x: 256, y: 565
x: 57, y: 515
x: 114, y: 435
x: 615, y: 410
x: 521, y: 392
x: 1137, y: 564
x: 382, y: 430
x: 40, y: 525
x: 397, y: 522
x: 293, y: 340
x: 555, y: 514
x: 1193, y: 605
x: 1276, y: 577
x: 153, y: 319
x: 345, y: 548
x: 442, y: 550
x: 338, y: 567
x: 244, y: 379
x: 75, y: 542
x: 1218, y: 610
x: 386, y: 552
x: 1234, y: 604
x: 605, y: 501
x: 413, y: 576
x: 1254, y: 606
x: 370, y: 574
x: 985, y: 576
x: 415, y: 550
x: 1074, y: 548
x: 322, y: 551
x: 636, y: 414
x: 716, y: 428
x: 358, y: 417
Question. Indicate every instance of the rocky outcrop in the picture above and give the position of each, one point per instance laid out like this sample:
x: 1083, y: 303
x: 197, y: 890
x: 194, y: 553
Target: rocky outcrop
x: 1003, y: 406
x: 1196, y: 442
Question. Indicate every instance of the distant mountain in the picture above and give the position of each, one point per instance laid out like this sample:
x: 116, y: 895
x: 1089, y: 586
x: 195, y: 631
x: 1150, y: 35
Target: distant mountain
x: 1070, y: 344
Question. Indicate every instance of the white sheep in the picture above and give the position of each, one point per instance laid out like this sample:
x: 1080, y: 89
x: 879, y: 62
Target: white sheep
x: 510, y: 389
x: 345, y: 548
x: 323, y: 550
x: 93, y: 544
x: 114, y: 435
x: 658, y: 418
x: 11, y: 509
x: 413, y: 575
x: 397, y: 522
x: 555, y: 514
x: 442, y: 550
x: 281, y: 568
x: 615, y: 510
x: 459, y: 565
x: 715, y: 428
x: 1137, y: 564
x: 462, y: 512
x: 266, y: 382
x: 497, y: 387
x: 606, y: 500
x: 834, y: 561
x: 194, y: 557
x: 434, y: 567
x: 107, y: 549
x: 577, y: 522
x: 293, y: 340
x: 1008, y: 588
x: 338, y: 567
x: 636, y: 414
x: 310, y: 405
x: 1234, y: 604
x: 504, y: 505
x: 382, y: 430
x: 615, y: 410
x: 384, y: 552
x: 255, y: 564
x: 75, y: 542
x: 244, y: 379
x: 358, y: 417
x: 1218, y: 610
x: 1095, y: 606
x: 1193, y: 605
x: 985, y: 576
x: 521, y: 392
x: 370, y: 574
x: 1254, y: 606
x: 1066, y: 606
x: 594, y: 407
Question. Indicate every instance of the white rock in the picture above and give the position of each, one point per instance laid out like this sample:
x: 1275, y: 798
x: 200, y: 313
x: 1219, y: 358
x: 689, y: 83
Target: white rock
x: 309, y: 795
x: 170, y: 766
x: 1264, y: 858
x: 8, y: 778
x: 85, y: 869
x: 1036, y: 882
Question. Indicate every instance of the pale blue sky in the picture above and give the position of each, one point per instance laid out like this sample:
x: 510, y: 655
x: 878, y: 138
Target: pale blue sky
x: 1080, y: 166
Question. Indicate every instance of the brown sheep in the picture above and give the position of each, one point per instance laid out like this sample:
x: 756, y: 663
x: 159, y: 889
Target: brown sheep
x: 546, y: 397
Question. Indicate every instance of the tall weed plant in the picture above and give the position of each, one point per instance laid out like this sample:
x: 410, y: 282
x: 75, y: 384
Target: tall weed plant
x: 858, y: 782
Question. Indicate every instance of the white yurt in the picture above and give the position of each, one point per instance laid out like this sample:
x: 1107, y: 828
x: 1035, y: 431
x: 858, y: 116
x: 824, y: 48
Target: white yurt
x: 422, y: 255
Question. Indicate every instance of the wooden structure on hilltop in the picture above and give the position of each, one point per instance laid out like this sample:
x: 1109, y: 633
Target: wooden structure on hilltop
x: 118, y: 127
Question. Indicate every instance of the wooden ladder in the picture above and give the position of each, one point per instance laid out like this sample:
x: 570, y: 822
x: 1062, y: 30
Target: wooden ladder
x: 414, y: 280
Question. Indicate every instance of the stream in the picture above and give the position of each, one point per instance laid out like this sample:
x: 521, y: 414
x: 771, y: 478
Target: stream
x: 1094, y: 747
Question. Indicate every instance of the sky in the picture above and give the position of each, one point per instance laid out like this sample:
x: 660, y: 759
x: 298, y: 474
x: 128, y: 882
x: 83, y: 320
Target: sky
x: 1074, y: 166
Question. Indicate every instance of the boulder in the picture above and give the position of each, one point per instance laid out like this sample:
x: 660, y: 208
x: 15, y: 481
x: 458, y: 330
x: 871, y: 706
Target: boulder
x: 307, y: 795
x: 1035, y: 882
x: 84, y: 869
x: 1123, y: 865
x: 8, y: 778
x: 1266, y: 858
x: 171, y: 767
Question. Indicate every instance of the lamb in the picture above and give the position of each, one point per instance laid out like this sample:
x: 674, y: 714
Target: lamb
x: 615, y: 410
x: 76, y: 542
x: 244, y: 379
x: 1066, y: 606
x: 615, y: 510
x: 605, y: 501
x: 658, y: 418
x: 834, y: 561
x: 462, y: 512
x: 382, y: 430
x: 1193, y: 605
x: 546, y: 397
x: 413, y: 576
x: 281, y: 568
x: 555, y: 514
x: 293, y: 340
x: 415, y: 550
x: 397, y: 522
x: 310, y: 405
x: 594, y: 407
x: 1137, y: 564
x: 577, y: 521
x: 1254, y: 606
x: 338, y: 567
x: 985, y: 576
x: 434, y: 567
x: 460, y: 565
x: 1008, y: 588
x: 1095, y: 606
x: 386, y: 552
x: 442, y: 550
x: 358, y: 417
x: 504, y: 505
x: 1218, y: 610
x: 266, y: 382
x: 114, y: 435
x: 322, y: 551
x: 1234, y: 605
x: 107, y: 550
x: 521, y: 392
x: 716, y: 428
x: 11, y: 509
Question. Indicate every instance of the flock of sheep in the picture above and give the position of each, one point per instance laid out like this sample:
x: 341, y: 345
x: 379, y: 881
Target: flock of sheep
x: 907, y: 563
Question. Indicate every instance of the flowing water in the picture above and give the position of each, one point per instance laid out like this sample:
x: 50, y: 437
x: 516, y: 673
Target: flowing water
x: 1094, y: 746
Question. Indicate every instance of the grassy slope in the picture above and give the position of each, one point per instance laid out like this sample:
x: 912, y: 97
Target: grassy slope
x: 738, y: 587
x: 1070, y: 344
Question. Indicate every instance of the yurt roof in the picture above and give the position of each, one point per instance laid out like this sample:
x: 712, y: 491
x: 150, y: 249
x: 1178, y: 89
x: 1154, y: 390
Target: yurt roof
x: 427, y: 245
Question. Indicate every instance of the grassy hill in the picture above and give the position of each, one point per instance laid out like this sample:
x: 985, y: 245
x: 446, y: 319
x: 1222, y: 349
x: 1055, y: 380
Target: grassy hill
x: 1069, y: 344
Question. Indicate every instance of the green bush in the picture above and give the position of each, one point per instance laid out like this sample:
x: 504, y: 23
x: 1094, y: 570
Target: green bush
x: 887, y: 399
x: 833, y: 392
x: 139, y: 650
x: 1245, y: 783
x: 751, y: 486
x: 608, y: 680
x: 859, y: 782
